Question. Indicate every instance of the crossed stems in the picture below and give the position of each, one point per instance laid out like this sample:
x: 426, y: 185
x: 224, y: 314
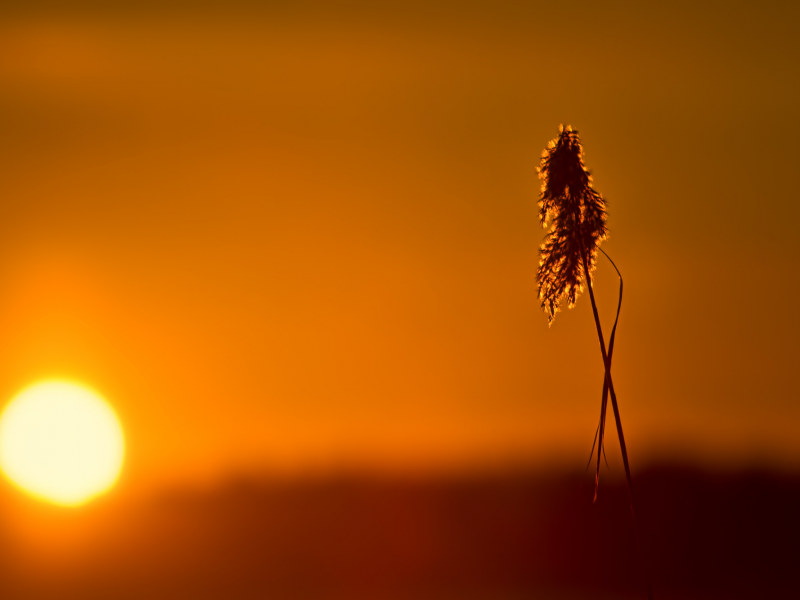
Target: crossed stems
x: 608, y: 386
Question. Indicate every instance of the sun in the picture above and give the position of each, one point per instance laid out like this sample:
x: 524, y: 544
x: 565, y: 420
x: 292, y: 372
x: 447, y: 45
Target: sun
x: 61, y: 442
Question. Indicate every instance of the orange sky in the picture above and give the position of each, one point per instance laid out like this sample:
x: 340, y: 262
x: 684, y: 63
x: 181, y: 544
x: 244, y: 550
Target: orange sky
x: 306, y: 239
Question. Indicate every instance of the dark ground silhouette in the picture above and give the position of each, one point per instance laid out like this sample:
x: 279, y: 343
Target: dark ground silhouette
x: 501, y: 536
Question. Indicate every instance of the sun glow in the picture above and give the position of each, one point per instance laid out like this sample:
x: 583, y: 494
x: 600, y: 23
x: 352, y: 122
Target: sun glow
x: 61, y: 442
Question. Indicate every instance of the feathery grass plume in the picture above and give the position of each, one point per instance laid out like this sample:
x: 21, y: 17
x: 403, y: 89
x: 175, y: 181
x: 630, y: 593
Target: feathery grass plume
x: 576, y: 214
x: 577, y: 218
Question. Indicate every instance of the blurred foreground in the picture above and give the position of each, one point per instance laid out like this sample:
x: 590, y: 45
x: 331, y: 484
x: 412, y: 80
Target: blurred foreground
x: 504, y: 537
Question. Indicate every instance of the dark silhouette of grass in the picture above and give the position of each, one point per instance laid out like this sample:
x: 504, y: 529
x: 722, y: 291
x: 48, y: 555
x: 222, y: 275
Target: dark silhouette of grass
x: 599, y: 434
x: 576, y: 214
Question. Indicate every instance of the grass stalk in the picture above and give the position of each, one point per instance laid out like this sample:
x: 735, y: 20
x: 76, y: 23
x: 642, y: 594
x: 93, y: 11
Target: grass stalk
x: 608, y: 387
x: 599, y: 437
x: 575, y: 214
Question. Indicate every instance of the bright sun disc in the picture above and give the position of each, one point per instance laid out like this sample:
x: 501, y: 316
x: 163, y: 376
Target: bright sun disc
x: 61, y: 442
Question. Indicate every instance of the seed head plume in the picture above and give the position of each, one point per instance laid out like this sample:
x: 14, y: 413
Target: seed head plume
x: 576, y: 214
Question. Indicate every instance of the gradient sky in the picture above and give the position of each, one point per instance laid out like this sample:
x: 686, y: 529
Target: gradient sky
x: 304, y: 237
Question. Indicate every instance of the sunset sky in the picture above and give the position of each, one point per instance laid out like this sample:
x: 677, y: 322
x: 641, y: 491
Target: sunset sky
x: 304, y: 238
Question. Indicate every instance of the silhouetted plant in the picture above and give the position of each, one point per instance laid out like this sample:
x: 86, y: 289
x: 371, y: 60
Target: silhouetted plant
x: 576, y: 215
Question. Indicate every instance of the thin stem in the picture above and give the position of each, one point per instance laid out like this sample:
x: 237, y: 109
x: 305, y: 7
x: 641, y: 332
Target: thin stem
x: 601, y: 427
x: 594, y: 445
x: 610, y: 385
